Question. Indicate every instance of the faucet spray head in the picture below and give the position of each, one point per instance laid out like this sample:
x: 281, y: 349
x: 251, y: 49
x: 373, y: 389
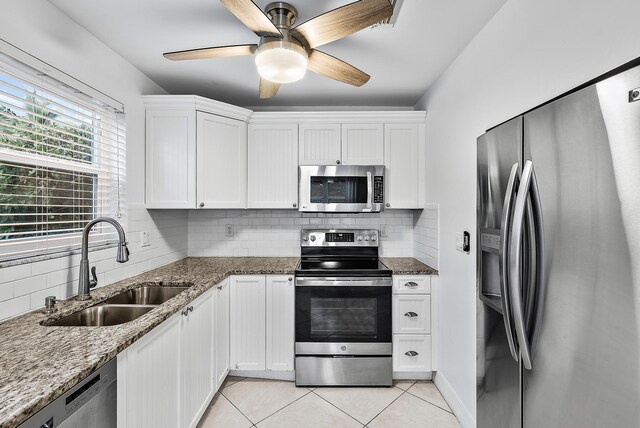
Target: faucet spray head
x: 123, y: 253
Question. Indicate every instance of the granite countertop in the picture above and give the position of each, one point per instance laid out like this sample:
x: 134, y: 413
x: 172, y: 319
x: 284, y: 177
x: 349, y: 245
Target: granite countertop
x: 39, y: 363
x: 407, y: 266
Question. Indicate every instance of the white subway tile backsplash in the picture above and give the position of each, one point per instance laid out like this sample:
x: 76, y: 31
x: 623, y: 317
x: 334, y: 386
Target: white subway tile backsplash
x: 23, y: 287
x: 425, y: 233
x: 277, y: 232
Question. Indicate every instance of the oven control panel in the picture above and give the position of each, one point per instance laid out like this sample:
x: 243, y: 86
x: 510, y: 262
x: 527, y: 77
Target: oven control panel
x: 332, y: 238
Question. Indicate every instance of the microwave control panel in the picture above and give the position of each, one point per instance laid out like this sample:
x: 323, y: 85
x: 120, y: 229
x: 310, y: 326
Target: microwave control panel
x: 378, y: 189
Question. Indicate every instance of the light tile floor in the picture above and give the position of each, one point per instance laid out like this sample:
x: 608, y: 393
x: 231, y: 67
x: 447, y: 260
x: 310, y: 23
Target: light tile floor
x: 246, y: 403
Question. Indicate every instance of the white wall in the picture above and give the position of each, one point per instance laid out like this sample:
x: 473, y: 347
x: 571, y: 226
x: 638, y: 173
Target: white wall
x: 277, y: 232
x: 40, y: 29
x: 528, y: 53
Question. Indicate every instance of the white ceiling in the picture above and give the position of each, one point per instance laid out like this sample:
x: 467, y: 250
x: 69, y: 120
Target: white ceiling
x: 403, y: 61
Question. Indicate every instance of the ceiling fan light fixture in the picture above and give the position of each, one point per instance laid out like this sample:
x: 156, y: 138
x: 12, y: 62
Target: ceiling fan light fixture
x: 281, y: 61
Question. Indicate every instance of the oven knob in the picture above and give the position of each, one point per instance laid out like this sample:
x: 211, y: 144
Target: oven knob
x: 366, y: 237
x: 305, y: 238
x: 359, y: 237
x: 313, y: 238
x: 374, y: 238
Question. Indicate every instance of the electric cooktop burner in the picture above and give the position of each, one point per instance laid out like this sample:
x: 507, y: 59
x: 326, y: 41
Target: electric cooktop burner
x: 328, y: 253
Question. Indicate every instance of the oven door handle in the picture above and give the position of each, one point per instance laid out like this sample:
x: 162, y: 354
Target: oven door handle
x: 344, y: 282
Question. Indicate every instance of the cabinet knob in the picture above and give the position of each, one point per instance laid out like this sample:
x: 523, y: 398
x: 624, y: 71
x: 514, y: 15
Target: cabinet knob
x: 295, y: 205
x: 388, y: 205
x: 219, y: 287
x: 411, y: 353
x: 201, y: 204
x: 338, y: 162
x: 411, y: 284
x: 290, y: 279
x: 411, y: 314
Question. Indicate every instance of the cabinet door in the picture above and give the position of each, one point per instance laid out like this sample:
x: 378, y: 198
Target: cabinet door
x: 247, y: 333
x: 222, y: 162
x: 412, y: 313
x: 273, y: 166
x: 149, y: 392
x: 362, y: 144
x: 320, y: 144
x: 198, y: 358
x: 280, y: 322
x: 403, y: 157
x: 222, y: 331
x: 411, y: 352
x: 170, y: 159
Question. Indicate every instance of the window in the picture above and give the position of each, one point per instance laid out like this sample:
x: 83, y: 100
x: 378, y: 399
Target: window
x: 62, y: 163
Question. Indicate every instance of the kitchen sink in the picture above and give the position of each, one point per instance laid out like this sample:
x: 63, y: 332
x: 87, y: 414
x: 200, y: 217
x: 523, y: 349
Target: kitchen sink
x: 146, y: 295
x: 103, y: 315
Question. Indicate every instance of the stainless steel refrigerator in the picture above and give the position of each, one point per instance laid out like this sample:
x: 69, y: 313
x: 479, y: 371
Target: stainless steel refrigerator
x: 558, y: 262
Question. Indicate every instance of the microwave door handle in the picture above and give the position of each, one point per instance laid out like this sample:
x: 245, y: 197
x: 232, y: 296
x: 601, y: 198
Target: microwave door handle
x: 369, y: 189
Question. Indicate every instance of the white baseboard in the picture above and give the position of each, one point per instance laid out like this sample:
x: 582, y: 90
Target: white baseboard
x: 264, y: 374
x: 413, y: 375
x: 465, y: 418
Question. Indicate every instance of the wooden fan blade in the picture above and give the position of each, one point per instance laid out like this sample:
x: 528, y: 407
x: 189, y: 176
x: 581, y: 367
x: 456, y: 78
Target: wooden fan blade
x: 268, y: 88
x: 341, y: 22
x: 252, y: 16
x: 336, y: 69
x: 216, y: 52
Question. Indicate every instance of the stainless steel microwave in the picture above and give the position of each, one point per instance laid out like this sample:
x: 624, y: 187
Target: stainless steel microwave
x: 341, y: 188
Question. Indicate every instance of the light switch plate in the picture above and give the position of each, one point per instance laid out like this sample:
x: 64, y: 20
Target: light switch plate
x: 228, y: 230
x: 144, y: 238
x: 383, y: 230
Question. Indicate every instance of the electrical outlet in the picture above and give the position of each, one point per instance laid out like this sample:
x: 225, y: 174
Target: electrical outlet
x: 144, y: 238
x: 228, y: 230
x: 383, y: 230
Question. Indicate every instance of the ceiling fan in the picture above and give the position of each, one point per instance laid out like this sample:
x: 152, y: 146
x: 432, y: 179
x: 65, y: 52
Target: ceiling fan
x: 284, y: 53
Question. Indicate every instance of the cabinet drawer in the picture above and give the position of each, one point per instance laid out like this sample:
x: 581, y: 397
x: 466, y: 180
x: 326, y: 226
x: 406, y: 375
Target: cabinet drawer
x: 411, y: 353
x: 412, y: 284
x: 412, y: 314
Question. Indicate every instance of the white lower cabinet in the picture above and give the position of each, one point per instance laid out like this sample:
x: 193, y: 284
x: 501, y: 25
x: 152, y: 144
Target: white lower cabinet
x: 149, y: 379
x: 221, y: 330
x: 247, y: 329
x: 414, y: 325
x: 411, y: 352
x: 262, y: 323
x: 167, y: 378
x: 280, y: 323
x: 197, y: 358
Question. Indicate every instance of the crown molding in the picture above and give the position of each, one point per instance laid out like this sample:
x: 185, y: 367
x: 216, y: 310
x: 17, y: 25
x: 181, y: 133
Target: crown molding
x: 338, y: 116
x: 197, y: 103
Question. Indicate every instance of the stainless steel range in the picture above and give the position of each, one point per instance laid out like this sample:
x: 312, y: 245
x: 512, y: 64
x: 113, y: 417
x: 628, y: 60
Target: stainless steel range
x: 343, y: 310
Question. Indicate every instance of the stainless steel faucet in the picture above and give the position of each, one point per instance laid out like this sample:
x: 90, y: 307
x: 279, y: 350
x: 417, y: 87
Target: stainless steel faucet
x: 122, y: 256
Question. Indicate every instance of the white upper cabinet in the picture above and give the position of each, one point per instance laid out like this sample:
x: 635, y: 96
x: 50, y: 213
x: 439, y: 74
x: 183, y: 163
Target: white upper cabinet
x: 273, y: 166
x: 362, y: 144
x: 404, y: 160
x: 320, y: 144
x: 170, y: 158
x: 196, y: 153
x: 221, y: 162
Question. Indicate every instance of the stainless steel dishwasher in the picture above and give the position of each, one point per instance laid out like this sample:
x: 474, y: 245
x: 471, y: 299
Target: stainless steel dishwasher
x: 89, y: 404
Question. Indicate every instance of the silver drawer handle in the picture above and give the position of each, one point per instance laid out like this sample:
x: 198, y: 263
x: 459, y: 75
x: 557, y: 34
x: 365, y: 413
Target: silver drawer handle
x: 411, y: 353
x: 410, y: 284
x: 410, y: 314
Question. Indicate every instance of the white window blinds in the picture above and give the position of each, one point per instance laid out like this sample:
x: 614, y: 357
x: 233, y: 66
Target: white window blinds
x: 62, y: 163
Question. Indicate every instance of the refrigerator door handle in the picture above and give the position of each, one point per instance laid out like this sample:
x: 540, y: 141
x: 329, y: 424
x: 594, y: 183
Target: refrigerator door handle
x: 505, y: 239
x: 528, y: 183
